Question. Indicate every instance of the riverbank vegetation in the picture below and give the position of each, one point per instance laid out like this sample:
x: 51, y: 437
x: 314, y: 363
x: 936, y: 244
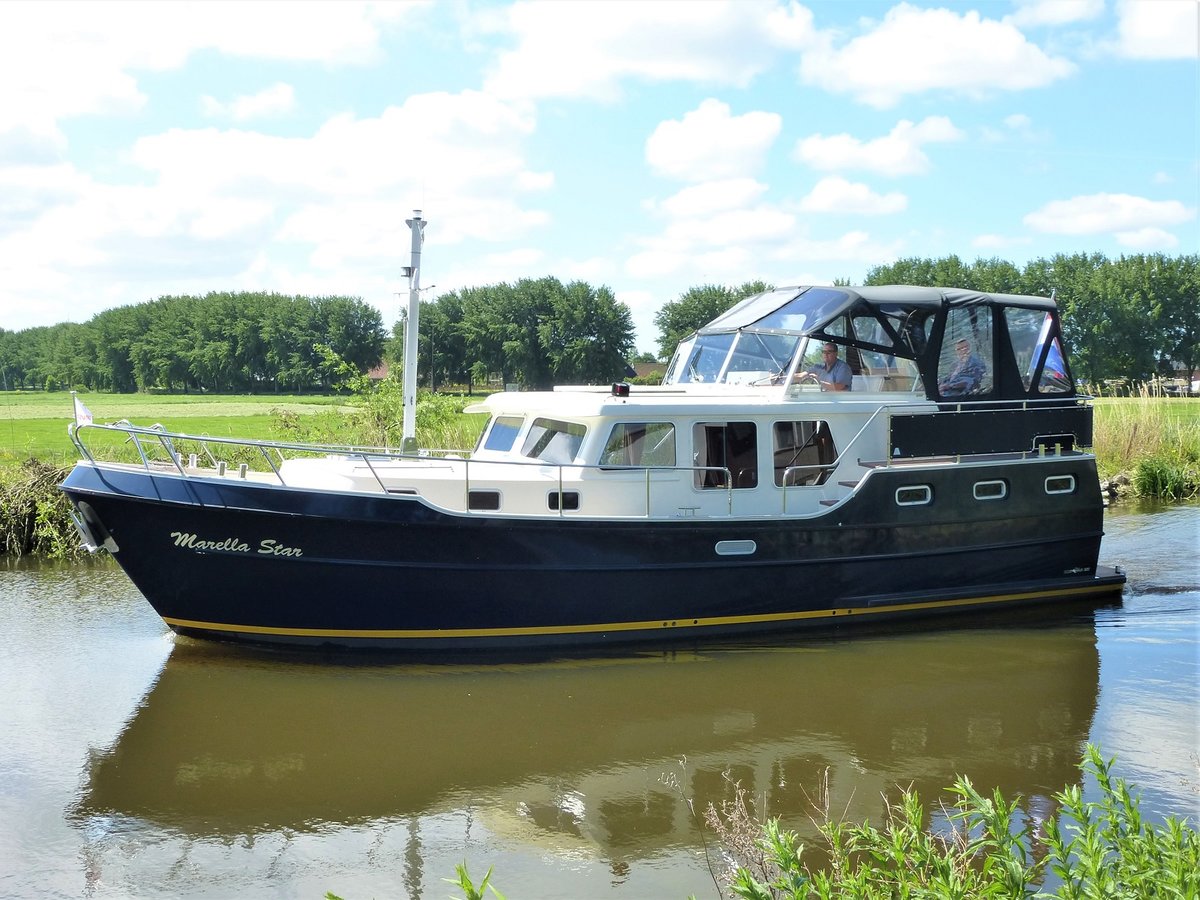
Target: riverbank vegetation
x: 984, y: 846
x: 1148, y: 445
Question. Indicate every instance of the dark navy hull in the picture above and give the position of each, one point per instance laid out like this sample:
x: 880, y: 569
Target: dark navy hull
x: 235, y: 560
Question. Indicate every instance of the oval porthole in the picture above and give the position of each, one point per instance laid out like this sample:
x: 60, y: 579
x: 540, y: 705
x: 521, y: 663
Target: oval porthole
x: 736, y: 548
x: 1060, y: 484
x: 991, y: 490
x: 914, y: 495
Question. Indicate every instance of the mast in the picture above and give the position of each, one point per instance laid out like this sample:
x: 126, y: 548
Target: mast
x: 416, y: 225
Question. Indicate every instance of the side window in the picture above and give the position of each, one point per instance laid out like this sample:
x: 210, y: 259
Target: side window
x: 721, y: 446
x: 1055, y: 379
x: 800, y: 449
x: 640, y: 444
x: 503, y: 433
x: 965, y: 366
x: 1032, y: 334
x: 553, y: 441
x: 1024, y: 326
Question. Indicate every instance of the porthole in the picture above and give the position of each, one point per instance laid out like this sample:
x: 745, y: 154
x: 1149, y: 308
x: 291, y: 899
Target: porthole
x: 570, y: 500
x: 483, y: 500
x: 1060, y: 484
x: 991, y: 490
x: 914, y: 495
x: 736, y: 548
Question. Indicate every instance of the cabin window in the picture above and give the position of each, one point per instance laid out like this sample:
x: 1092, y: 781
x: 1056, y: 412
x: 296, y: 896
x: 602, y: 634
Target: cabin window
x: 706, y: 359
x: 965, y: 367
x: 1060, y: 484
x: 914, y: 495
x: 640, y: 444
x: 760, y: 358
x: 991, y: 490
x: 503, y: 433
x: 800, y: 448
x: 570, y: 500
x: 1054, y: 378
x: 725, y: 450
x: 483, y: 500
x: 1035, y: 344
x: 553, y: 441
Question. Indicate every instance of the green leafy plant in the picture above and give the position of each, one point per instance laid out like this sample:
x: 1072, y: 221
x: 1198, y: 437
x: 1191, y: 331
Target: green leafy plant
x: 1099, y: 849
x: 470, y: 891
x: 34, y: 513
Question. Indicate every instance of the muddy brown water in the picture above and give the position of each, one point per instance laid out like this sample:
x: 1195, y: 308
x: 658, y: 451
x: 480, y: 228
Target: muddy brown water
x: 135, y: 764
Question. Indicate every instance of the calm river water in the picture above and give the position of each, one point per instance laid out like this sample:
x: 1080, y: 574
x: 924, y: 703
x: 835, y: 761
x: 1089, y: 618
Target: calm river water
x: 138, y: 765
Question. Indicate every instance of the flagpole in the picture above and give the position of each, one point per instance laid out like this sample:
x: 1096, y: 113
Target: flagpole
x: 417, y: 226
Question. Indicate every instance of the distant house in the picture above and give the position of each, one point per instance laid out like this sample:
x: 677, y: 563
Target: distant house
x: 379, y: 372
x: 649, y: 369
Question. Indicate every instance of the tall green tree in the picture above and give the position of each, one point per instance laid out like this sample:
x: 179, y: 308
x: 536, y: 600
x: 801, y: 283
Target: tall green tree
x: 1179, y: 300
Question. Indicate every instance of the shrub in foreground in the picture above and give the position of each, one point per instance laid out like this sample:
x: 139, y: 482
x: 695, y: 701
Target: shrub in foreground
x: 34, y: 514
x: 1091, y: 850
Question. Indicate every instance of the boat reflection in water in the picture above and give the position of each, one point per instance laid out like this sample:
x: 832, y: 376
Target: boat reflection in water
x: 572, y: 754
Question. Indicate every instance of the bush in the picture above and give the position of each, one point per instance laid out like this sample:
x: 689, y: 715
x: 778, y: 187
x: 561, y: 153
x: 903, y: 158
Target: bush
x: 1102, y: 849
x: 34, y: 514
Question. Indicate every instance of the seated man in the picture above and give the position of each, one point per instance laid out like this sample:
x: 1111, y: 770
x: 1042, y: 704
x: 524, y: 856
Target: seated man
x: 966, y: 375
x: 831, y: 373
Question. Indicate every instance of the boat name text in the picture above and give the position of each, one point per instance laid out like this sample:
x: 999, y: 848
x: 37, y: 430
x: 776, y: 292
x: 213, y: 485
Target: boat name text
x: 267, y: 546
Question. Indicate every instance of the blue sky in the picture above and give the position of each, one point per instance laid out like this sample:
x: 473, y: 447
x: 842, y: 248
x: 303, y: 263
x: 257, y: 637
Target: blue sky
x: 167, y: 148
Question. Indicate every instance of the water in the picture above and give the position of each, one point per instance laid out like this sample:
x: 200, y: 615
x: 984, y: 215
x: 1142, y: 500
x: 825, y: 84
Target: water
x: 136, y: 764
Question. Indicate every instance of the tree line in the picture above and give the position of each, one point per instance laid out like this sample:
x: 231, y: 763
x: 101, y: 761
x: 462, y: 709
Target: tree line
x: 1135, y: 317
x: 222, y: 343
x: 535, y: 332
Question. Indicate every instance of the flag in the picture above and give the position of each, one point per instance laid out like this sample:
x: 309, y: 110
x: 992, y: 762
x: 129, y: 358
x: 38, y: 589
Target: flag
x: 83, y: 415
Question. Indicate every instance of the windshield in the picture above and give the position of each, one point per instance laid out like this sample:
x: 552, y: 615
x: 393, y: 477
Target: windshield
x: 756, y: 340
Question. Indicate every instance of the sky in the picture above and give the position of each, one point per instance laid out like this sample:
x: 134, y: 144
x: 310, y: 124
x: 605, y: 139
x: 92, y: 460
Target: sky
x: 152, y: 149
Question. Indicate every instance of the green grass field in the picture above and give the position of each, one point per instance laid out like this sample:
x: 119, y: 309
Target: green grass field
x: 34, y: 424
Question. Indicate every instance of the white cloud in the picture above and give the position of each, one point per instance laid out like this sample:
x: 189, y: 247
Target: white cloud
x: 837, y: 195
x: 586, y: 48
x: 917, y: 50
x: 1147, y: 239
x: 1162, y: 29
x: 1055, y: 12
x: 59, y: 60
x: 1099, y: 213
x: 998, y: 242
x: 707, y: 244
x: 898, y: 153
x: 713, y: 196
x: 852, y: 247
x: 275, y: 100
x: 710, y: 143
x: 223, y: 208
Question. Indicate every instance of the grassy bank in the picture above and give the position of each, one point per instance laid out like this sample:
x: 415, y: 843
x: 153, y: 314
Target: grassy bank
x: 1154, y: 441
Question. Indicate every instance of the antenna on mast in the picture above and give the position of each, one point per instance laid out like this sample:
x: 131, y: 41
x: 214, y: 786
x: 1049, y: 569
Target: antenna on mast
x: 416, y: 225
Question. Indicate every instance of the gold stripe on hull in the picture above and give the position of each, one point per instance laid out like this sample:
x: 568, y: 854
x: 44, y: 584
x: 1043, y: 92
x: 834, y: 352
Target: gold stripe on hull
x: 649, y: 625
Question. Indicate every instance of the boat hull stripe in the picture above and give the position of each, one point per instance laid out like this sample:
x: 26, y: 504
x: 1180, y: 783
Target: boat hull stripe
x: 654, y: 624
